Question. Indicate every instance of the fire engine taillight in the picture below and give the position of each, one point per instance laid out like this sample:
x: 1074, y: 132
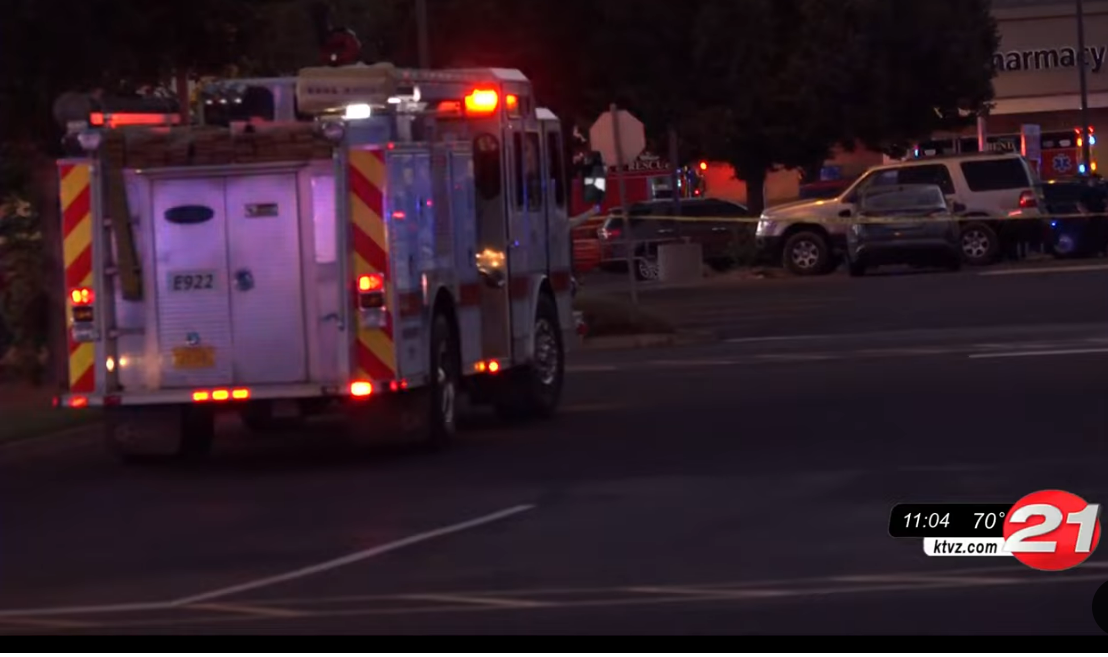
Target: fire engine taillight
x: 361, y: 389
x: 371, y: 283
x: 371, y: 291
x: 482, y: 101
x: 489, y: 366
x: 239, y: 394
x: 82, y: 297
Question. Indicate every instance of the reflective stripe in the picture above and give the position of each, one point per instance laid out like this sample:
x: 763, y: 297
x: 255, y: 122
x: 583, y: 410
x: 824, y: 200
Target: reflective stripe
x: 75, y: 193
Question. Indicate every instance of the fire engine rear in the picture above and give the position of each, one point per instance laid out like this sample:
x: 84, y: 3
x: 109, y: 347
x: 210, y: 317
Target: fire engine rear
x: 406, y: 246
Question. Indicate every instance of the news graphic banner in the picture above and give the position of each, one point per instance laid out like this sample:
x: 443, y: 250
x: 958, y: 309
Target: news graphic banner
x: 1049, y: 530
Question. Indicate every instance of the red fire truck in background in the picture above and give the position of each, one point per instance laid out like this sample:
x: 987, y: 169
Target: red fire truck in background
x: 648, y: 178
x: 1061, y: 150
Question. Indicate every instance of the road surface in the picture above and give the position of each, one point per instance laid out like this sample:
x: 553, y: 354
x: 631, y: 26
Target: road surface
x: 737, y: 487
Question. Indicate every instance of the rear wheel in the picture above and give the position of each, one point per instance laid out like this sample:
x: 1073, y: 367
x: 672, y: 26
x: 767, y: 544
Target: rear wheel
x: 160, y: 434
x: 980, y: 245
x: 442, y: 393
x: 646, y: 267
x: 535, y: 390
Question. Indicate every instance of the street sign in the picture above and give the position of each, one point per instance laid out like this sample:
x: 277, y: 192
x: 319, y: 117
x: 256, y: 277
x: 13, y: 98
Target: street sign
x: 632, y: 136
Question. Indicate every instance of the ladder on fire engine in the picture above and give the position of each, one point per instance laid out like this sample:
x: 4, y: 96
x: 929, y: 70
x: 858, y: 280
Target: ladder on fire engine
x: 119, y: 221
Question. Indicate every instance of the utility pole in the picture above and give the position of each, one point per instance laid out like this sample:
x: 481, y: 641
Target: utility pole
x: 423, y: 36
x: 1086, y: 151
x: 628, y: 234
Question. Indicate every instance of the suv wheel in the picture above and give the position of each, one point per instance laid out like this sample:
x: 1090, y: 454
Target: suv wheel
x: 980, y: 245
x: 806, y: 254
x: 646, y: 268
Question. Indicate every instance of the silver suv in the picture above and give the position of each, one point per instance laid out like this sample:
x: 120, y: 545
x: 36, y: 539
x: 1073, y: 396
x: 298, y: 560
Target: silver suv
x: 809, y: 237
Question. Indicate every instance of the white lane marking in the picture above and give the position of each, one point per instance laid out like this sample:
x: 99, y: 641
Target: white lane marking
x: 354, y: 558
x: 470, y: 600
x: 1052, y: 352
x: 585, y: 369
x: 301, y: 573
x: 264, y: 612
x: 1051, y: 270
x: 709, y: 593
x: 90, y: 609
x: 795, y: 338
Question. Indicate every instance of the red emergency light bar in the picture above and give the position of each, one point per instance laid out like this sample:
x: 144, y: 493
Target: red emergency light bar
x: 482, y: 101
x: 117, y: 120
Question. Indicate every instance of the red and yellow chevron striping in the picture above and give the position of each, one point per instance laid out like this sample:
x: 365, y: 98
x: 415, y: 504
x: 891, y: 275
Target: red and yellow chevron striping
x: 76, y: 202
x: 375, y: 352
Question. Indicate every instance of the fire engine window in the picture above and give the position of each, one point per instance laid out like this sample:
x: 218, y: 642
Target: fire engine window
x: 486, y: 166
x: 528, y: 171
x: 557, y: 170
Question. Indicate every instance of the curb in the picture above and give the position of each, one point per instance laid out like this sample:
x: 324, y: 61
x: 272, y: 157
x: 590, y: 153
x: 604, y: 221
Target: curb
x: 649, y: 340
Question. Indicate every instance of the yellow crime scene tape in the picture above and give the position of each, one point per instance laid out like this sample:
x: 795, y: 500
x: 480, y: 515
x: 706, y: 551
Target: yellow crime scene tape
x: 858, y: 220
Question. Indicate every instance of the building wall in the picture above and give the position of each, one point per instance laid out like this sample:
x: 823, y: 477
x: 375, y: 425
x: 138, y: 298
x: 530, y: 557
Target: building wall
x: 1038, y: 49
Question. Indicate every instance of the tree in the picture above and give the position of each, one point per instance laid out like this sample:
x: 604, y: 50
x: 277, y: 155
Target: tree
x: 795, y: 79
x: 915, y: 82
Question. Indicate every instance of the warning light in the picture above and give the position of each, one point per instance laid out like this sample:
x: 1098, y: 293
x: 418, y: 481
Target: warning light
x: 361, y: 389
x: 78, y: 402
x: 240, y: 394
x: 201, y: 396
x: 482, y: 101
x: 371, y: 283
x: 511, y: 103
x: 81, y: 296
x: 703, y: 166
x: 221, y: 395
x: 494, y: 367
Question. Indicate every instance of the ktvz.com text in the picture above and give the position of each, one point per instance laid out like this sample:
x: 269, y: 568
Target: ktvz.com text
x: 965, y: 547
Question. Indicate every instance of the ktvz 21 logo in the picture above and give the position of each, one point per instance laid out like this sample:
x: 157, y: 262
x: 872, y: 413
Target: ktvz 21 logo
x: 1067, y: 535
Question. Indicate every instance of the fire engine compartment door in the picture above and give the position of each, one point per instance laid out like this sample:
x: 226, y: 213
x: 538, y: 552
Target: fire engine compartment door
x: 229, y: 287
x: 267, y: 296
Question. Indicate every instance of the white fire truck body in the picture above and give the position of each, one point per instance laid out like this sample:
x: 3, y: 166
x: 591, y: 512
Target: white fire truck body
x: 415, y: 247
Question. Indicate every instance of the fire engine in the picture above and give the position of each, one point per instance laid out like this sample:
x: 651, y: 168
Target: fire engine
x: 404, y: 248
x: 1061, y: 150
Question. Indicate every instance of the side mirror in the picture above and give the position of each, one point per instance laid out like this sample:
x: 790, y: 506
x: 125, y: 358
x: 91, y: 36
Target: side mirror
x: 594, y: 184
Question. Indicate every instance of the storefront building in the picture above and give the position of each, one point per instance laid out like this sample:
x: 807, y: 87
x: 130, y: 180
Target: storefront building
x: 1038, y: 82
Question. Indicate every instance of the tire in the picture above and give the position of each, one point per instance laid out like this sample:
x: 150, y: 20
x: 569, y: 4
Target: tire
x: 856, y: 269
x: 980, y: 245
x: 535, y: 390
x: 806, y: 254
x: 646, y: 268
x: 442, y: 421
x: 196, y: 427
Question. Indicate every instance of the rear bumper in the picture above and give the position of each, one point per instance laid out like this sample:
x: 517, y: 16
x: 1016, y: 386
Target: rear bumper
x: 196, y: 396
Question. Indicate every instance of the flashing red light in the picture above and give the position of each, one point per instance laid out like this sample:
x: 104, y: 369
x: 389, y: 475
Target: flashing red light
x: 78, y: 402
x: 482, y: 101
x: 361, y: 389
x: 105, y: 120
x: 1028, y: 200
x: 82, y: 296
x: 703, y: 166
x: 371, y: 283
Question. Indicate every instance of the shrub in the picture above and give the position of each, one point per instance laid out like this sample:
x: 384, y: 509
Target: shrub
x: 23, y: 295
